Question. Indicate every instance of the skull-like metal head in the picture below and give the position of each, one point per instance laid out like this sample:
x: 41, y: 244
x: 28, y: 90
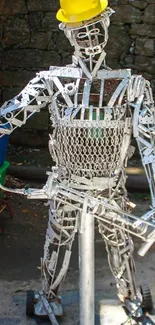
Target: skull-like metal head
x: 89, y: 37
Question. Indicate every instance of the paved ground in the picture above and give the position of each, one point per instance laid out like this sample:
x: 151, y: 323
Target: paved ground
x: 21, y: 247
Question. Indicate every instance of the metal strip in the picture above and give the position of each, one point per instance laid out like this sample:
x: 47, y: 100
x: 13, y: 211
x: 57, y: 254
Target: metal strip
x: 62, y: 90
x: 136, y: 115
x: 86, y: 93
x: 114, y: 74
x: 101, y: 93
x: 64, y: 72
x: 117, y: 92
x: 76, y: 93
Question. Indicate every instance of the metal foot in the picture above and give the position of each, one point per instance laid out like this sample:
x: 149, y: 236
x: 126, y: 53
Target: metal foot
x: 134, y: 308
x: 42, y: 307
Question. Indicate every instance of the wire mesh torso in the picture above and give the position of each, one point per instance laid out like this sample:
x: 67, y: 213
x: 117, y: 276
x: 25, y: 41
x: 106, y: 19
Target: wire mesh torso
x: 89, y: 131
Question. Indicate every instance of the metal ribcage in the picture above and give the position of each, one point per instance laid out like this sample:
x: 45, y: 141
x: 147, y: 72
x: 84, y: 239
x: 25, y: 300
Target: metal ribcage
x: 89, y: 149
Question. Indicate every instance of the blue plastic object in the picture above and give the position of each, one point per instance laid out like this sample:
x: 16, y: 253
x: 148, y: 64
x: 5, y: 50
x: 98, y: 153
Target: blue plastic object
x: 3, y: 146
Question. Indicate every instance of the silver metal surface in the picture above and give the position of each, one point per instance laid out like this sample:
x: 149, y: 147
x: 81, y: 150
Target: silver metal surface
x: 86, y: 268
x: 48, y: 310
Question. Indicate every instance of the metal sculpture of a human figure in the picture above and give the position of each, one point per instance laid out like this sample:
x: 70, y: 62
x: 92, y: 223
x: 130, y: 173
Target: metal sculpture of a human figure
x: 90, y: 144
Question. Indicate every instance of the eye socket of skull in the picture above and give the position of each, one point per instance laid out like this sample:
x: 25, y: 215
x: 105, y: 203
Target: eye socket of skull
x: 90, y: 36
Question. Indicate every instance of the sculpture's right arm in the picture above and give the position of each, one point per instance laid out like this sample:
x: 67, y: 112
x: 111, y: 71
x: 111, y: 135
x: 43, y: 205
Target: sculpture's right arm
x: 15, y: 112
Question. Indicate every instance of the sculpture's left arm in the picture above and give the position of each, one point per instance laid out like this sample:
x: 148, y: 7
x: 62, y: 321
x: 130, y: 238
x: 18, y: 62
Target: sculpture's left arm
x: 141, y: 98
x: 35, y: 96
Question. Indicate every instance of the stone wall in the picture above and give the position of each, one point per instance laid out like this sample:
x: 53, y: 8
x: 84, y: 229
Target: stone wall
x: 31, y: 41
x: 132, y: 37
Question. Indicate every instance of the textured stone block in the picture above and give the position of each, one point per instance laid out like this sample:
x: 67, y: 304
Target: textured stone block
x: 129, y: 60
x: 65, y: 60
x: 15, y: 78
x: 49, y: 22
x: 1, y: 28
x: 61, y: 42
x: 35, y: 20
x: 138, y: 4
x: 42, y: 5
x: 0, y: 58
x: 119, y: 42
x: 142, y: 30
x: 39, y: 121
x: 113, y: 64
x: 126, y: 14
x: 152, y: 83
x: 145, y: 47
x: 145, y: 64
x: 16, y: 31
x: 9, y: 7
x: 40, y: 40
x: 149, y: 14
x: 115, y: 2
x: 121, y: 2
x: 30, y: 59
x: 147, y: 76
x: 10, y: 92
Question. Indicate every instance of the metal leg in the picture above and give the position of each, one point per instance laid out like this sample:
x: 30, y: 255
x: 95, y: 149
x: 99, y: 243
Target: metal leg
x: 119, y: 247
x: 58, y: 247
x: 60, y: 234
x: 86, y: 266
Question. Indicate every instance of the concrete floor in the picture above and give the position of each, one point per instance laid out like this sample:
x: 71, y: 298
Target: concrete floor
x: 21, y: 247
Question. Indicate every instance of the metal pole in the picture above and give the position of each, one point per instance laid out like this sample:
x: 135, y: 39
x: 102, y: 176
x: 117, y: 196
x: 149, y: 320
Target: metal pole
x: 86, y: 266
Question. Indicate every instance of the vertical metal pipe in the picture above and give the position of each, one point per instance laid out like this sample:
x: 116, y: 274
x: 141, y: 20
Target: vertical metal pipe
x: 86, y: 266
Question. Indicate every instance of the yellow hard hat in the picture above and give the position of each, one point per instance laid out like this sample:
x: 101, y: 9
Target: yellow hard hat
x: 74, y: 11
